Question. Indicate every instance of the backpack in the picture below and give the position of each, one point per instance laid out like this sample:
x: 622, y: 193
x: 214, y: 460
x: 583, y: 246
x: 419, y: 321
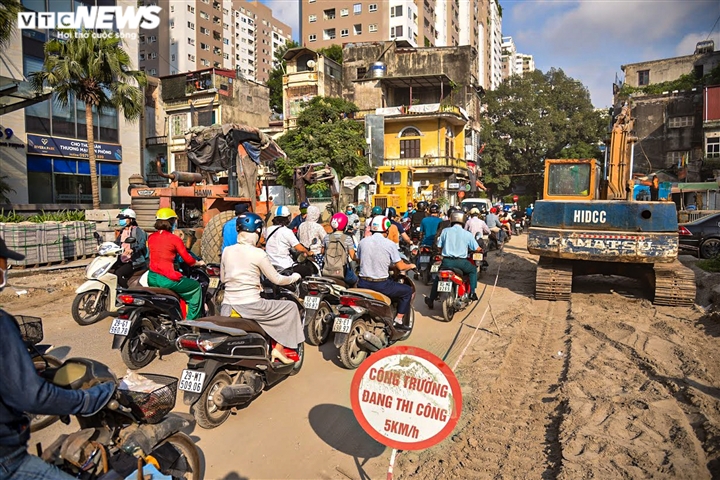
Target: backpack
x: 336, y: 256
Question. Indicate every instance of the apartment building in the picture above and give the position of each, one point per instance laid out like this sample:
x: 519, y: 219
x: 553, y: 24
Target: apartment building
x: 514, y: 63
x: 197, y: 34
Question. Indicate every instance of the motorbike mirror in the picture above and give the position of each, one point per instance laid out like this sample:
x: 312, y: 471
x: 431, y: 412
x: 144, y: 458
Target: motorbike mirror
x: 69, y: 373
x: 301, y: 258
x: 96, y: 235
x: 130, y: 240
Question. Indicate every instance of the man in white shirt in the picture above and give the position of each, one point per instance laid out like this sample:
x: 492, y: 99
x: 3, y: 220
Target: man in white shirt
x: 475, y: 224
x: 279, y: 240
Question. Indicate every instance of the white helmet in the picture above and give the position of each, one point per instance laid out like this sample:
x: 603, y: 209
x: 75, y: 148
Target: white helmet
x: 282, y: 211
x: 380, y: 224
x: 127, y: 213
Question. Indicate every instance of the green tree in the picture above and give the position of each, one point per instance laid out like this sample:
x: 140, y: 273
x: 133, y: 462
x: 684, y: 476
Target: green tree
x: 97, y: 72
x: 333, y: 52
x: 325, y: 133
x: 275, y: 78
x: 5, y: 189
x: 9, y: 10
x: 534, y: 117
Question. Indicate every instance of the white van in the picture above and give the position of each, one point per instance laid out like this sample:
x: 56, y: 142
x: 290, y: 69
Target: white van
x: 482, y: 204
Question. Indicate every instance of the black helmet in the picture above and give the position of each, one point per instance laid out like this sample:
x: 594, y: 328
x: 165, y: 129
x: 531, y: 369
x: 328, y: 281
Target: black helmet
x: 390, y: 212
x: 457, y: 216
x: 422, y: 205
x: 450, y: 210
x: 434, y: 208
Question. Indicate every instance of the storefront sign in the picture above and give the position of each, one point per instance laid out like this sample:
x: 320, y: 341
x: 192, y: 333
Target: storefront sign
x: 66, y: 147
x: 406, y: 398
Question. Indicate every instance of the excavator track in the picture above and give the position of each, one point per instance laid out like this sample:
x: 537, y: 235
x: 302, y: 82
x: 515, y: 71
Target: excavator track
x: 674, y: 284
x: 553, y: 280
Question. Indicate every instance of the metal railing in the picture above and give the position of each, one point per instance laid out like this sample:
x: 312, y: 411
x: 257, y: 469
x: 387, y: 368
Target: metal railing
x: 154, y: 141
x: 685, y: 216
x: 427, y: 162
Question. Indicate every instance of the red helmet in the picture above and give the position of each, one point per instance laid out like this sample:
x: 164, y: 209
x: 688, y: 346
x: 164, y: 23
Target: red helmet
x: 493, y: 210
x: 339, y: 221
x: 410, y: 204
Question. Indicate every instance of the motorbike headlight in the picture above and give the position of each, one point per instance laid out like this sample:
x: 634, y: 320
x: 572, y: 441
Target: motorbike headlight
x: 101, y: 271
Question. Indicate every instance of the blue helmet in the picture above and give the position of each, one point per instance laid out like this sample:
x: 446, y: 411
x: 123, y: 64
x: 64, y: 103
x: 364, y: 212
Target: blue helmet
x: 304, y: 204
x: 390, y: 212
x: 249, y: 222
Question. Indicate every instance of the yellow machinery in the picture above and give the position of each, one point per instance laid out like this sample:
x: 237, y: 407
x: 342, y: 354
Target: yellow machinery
x: 394, y: 187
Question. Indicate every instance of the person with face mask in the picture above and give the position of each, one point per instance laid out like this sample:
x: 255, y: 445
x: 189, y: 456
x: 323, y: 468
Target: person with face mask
x: 241, y: 267
x: 134, y: 257
x: 312, y: 234
x: 164, y: 247
x: 22, y: 391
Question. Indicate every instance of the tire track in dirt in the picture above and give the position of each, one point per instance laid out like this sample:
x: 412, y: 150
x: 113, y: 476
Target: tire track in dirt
x: 512, y: 417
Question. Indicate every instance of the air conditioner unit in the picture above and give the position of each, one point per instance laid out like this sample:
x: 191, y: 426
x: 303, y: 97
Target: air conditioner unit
x: 424, y: 183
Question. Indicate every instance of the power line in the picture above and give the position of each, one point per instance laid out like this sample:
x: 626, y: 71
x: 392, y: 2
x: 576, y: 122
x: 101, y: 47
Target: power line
x: 713, y: 28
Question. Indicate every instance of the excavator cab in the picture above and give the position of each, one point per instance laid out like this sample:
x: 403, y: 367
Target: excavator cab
x: 567, y: 179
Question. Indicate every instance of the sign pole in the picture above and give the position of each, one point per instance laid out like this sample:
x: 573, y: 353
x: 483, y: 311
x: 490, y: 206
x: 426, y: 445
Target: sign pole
x: 392, y: 464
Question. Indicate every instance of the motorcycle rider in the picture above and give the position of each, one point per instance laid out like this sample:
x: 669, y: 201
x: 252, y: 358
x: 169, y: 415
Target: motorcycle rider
x: 229, y: 233
x: 164, y: 248
x: 353, y: 222
x: 429, y: 226
x: 339, y: 222
x: 134, y: 257
x: 455, y: 243
x: 445, y: 223
x: 23, y: 390
x: 299, y: 218
x: 241, y: 266
x: 279, y: 239
x: 493, y: 222
x: 396, y: 231
x: 311, y: 234
x: 475, y: 224
x: 377, y: 255
x: 376, y: 210
x: 421, y: 213
x: 410, y: 210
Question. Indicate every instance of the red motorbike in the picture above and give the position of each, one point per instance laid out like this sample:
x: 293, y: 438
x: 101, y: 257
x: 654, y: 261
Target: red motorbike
x: 454, y: 287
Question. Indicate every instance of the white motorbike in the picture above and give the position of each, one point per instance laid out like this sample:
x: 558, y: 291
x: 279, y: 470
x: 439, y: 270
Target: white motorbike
x: 96, y: 298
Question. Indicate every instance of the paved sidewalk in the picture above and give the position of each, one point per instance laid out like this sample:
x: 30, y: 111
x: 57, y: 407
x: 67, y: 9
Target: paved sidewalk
x: 16, y: 272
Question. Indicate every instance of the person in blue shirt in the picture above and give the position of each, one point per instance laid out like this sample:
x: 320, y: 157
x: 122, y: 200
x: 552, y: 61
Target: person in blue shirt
x: 300, y: 218
x: 455, y: 243
x: 529, y: 210
x: 429, y: 226
x: 229, y: 230
x: 410, y: 210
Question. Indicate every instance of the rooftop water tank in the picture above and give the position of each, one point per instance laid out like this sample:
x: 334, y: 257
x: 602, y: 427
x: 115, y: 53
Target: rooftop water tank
x: 378, y: 70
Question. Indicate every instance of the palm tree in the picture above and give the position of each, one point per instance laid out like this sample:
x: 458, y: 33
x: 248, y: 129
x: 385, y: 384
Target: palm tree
x: 9, y: 10
x: 93, y: 68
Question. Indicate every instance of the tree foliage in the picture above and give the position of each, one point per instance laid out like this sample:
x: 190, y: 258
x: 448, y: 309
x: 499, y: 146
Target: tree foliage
x: 333, y: 52
x: 94, y: 70
x: 275, y: 79
x: 534, y: 117
x: 9, y: 10
x: 325, y: 133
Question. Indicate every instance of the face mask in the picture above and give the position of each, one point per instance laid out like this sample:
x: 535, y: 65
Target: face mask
x: 123, y: 222
x: 174, y: 227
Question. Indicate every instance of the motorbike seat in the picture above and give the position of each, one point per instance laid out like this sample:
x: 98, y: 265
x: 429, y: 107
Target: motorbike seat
x: 228, y: 324
x: 159, y: 291
x: 366, y: 292
x: 457, y: 271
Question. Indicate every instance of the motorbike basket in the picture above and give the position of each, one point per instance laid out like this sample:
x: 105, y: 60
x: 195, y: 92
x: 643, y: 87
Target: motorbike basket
x: 154, y: 406
x: 31, y: 329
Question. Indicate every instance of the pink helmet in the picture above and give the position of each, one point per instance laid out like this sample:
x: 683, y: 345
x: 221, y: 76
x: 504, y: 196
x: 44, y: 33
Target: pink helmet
x: 339, y: 221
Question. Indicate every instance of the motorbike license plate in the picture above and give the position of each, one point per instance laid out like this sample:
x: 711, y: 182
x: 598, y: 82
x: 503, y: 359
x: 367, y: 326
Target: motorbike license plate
x: 477, y: 256
x: 191, y: 381
x: 424, y: 259
x: 445, y: 287
x: 311, y: 303
x: 342, y: 325
x: 214, y: 282
x: 435, y: 268
x: 120, y: 326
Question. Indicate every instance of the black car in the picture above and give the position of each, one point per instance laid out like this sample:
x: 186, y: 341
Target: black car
x: 702, y: 236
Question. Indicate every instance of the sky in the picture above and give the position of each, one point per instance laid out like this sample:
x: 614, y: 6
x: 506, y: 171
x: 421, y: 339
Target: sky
x: 591, y: 39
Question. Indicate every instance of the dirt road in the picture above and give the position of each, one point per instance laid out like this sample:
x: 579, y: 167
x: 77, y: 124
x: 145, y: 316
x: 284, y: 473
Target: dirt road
x: 603, y: 386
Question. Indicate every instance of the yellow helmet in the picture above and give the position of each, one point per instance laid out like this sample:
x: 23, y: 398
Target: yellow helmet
x: 165, y: 214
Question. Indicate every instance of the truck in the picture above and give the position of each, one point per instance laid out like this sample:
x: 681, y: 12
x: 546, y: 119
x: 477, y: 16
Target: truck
x: 589, y: 222
x: 394, y: 187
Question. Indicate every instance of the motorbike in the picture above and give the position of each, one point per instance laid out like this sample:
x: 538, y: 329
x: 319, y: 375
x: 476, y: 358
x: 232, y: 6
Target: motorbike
x: 31, y: 331
x: 365, y: 323
x: 454, y: 287
x: 424, y: 262
x: 321, y: 300
x: 230, y: 362
x: 96, y: 298
x: 518, y: 226
x: 134, y: 435
x: 147, y: 322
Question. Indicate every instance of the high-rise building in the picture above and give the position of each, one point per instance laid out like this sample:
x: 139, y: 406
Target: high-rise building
x: 514, y: 63
x: 231, y: 34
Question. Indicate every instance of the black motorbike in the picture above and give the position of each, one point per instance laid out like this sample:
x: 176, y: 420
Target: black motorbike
x: 365, y: 323
x: 424, y: 262
x: 147, y: 323
x: 230, y: 362
x: 321, y: 299
x: 134, y: 431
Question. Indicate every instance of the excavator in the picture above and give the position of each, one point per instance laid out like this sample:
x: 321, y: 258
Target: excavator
x: 589, y: 223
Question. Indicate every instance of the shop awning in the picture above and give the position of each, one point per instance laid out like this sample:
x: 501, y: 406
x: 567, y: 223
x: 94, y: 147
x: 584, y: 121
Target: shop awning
x: 19, y: 94
x: 695, y: 187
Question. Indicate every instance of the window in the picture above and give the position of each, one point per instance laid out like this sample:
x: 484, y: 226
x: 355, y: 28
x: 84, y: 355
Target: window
x: 312, y: 37
x: 643, y: 78
x: 372, y: 7
x: 152, y: 39
x: 142, y: 56
x: 712, y: 148
x: 204, y: 46
x: 410, y: 148
x: 677, y: 158
x: 191, y: 9
x: 569, y: 179
x: 396, y: 11
x: 372, y: 27
x: 678, y: 122
x: 329, y: 14
x: 204, y: 31
x: 191, y: 57
x: 204, y: 15
x: 396, y: 31
x: 141, y: 39
x: 172, y: 8
x: 344, y: 32
x: 153, y: 71
x: 329, y: 34
x: 410, y: 132
x: 312, y: 18
x: 344, y: 12
x: 226, y: 56
x: 357, y: 29
x: 191, y: 41
x: 153, y: 55
x: 205, y: 63
x: 390, y: 178
x: 172, y: 57
x: 172, y: 23
x: 191, y: 25
x: 357, y: 8
x: 360, y: 72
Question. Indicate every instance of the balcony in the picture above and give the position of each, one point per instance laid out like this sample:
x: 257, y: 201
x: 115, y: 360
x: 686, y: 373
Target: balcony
x: 454, y: 114
x: 429, y: 162
x: 156, y: 141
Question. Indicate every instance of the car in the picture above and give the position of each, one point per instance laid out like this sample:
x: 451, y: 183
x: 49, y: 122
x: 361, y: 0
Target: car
x: 701, y: 237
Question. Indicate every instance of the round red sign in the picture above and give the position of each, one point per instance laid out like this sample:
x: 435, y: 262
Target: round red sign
x: 515, y: 198
x: 406, y: 398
